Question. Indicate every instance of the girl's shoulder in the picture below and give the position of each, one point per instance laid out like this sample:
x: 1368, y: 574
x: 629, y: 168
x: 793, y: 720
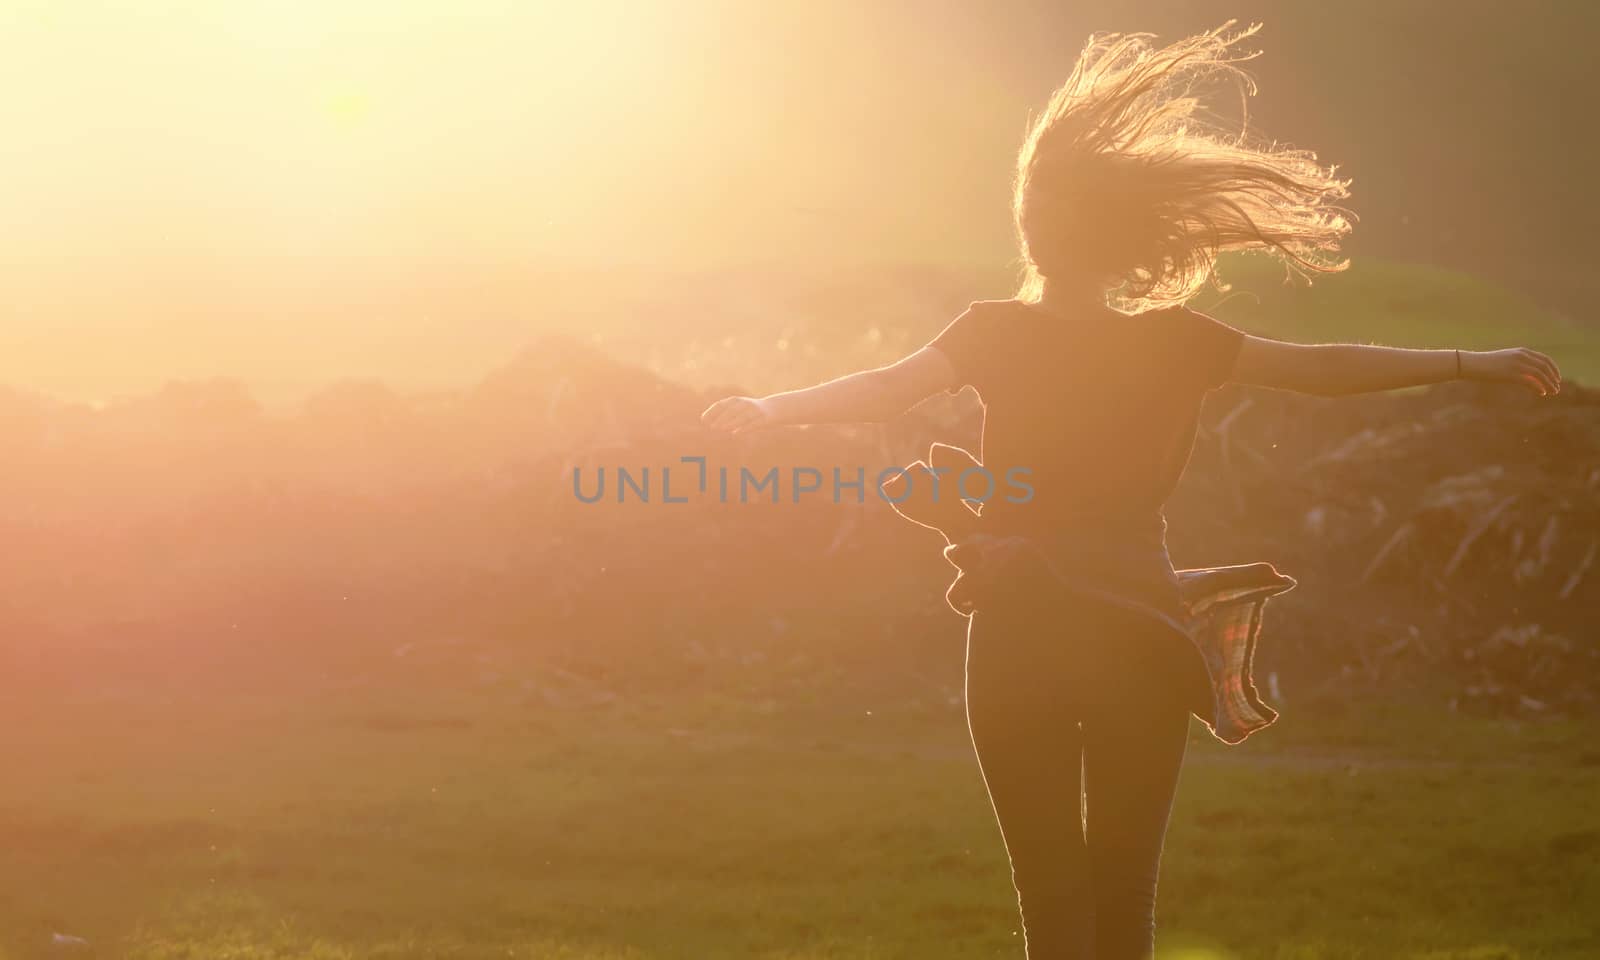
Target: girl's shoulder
x: 993, y: 309
x: 986, y: 319
x: 1010, y: 312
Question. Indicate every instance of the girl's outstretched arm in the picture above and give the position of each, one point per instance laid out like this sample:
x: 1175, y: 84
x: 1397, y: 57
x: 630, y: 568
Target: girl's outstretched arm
x: 1335, y: 369
x: 865, y: 397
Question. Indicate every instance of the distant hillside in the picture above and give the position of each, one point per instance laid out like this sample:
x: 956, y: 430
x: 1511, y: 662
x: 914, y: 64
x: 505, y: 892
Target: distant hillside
x: 192, y: 531
x: 793, y: 332
x: 1410, y: 305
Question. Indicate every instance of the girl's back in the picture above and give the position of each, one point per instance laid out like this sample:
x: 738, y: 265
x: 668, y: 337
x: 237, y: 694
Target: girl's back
x: 1096, y: 409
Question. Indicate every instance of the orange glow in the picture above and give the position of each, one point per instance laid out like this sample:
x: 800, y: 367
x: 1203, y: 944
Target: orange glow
x: 293, y: 192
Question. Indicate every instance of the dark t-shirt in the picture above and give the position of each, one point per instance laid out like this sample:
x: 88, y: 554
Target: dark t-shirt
x: 1096, y: 413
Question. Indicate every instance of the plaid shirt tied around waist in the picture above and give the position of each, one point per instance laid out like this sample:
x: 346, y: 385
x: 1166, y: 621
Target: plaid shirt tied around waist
x: 1222, y: 606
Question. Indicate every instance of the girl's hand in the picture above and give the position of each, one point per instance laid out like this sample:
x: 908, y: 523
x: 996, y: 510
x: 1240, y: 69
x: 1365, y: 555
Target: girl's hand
x: 738, y: 414
x: 1519, y: 365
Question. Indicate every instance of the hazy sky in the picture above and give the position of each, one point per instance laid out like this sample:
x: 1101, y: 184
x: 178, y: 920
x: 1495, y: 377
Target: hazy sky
x: 195, y: 188
x: 402, y: 127
x: 291, y: 128
x: 284, y: 188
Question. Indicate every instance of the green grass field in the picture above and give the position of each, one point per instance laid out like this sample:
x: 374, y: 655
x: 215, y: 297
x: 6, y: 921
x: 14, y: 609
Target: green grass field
x: 1401, y: 304
x: 349, y: 826
x: 891, y: 313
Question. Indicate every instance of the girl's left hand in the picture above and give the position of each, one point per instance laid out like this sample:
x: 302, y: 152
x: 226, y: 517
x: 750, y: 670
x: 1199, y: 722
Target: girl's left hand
x: 1526, y: 368
x: 738, y: 414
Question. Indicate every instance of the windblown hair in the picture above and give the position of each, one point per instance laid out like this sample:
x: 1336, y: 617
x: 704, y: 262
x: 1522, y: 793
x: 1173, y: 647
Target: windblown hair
x: 1127, y: 181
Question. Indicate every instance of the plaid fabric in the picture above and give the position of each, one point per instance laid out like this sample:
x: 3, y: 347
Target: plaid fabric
x: 1225, y: 607
x: 1222, y: 606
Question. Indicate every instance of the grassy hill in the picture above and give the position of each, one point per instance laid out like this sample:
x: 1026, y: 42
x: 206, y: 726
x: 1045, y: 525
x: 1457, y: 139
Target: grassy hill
x: 766, y: 329
x: 1411, y: 305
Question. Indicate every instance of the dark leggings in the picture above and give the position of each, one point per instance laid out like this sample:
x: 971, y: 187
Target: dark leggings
x: 1080, y: 734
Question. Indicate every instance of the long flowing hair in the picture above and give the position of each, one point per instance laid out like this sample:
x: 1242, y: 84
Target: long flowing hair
x: 1128, y: 180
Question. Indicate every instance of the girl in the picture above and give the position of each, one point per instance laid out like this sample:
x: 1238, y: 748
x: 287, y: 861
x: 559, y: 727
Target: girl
x: 1092, y: 379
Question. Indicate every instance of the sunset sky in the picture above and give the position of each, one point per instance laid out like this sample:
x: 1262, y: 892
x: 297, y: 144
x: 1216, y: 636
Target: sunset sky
x: 295, y: 190
x: 188, y: 186
x: 418, y: 128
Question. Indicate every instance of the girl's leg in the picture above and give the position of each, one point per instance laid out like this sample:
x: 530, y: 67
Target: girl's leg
x: 1133, y: 751
x: 1030, y: 748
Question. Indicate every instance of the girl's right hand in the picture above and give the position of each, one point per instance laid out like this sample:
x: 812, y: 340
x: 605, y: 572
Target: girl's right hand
x: 1519, y: 365
x: 738, y: 414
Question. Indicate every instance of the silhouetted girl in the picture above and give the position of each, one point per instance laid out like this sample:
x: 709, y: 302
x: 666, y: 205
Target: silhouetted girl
x: 1079, y: 683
